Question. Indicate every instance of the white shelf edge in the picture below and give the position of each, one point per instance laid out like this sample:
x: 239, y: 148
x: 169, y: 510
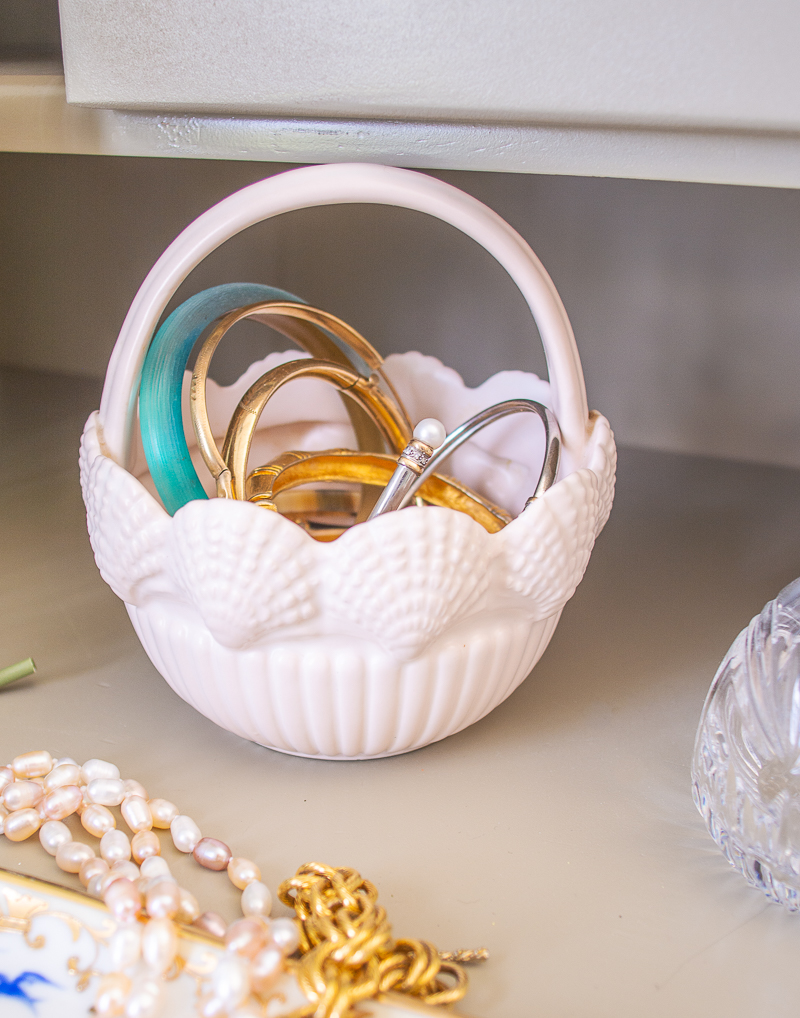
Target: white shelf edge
x: 35, y: 117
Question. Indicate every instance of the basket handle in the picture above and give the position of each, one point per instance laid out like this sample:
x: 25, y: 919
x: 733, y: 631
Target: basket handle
x: 339, y: 184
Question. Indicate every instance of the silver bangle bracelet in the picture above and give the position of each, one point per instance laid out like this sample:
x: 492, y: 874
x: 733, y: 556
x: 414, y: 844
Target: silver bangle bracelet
x: 465, y: 431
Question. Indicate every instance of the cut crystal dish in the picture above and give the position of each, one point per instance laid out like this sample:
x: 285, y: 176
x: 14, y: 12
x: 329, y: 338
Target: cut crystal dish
x: 746, y: 766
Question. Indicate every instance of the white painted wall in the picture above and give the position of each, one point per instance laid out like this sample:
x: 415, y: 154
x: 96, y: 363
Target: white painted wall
x: 684, y: 297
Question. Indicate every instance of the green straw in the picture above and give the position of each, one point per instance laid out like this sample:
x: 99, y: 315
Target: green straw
x: 17, y: 671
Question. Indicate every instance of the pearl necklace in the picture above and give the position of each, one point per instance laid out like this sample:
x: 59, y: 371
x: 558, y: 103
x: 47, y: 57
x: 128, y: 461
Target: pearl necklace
x: 37, y: 793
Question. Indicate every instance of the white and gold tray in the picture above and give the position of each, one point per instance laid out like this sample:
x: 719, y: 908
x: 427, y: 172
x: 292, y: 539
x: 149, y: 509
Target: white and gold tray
x: 54, y: 945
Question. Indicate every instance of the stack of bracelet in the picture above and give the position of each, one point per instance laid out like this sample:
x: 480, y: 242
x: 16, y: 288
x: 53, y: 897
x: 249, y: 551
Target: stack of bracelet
x: 352, y: 365
x: 37, y: 793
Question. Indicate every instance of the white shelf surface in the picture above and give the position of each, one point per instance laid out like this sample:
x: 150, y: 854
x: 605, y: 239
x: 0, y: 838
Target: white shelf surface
x: 35, y: 117
x: 559, y: 831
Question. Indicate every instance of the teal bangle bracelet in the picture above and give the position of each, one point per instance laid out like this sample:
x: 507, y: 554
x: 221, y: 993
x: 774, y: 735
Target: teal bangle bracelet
x: 160, y: 414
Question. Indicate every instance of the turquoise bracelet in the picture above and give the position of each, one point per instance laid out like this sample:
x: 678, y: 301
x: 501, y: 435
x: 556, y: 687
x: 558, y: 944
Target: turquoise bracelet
x: 160, y: 413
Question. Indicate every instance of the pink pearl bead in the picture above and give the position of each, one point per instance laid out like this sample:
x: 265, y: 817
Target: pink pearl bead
x: 145, y: 844
x: 64, y: 774
x: 73, y: 855
x: 189, y: 908
x: 123, y: 900
x: 163, y: 899
x: 97, y: 820
x: 266, y: 968
x: 32, y: 765
x: 128, y: 870
x: 6, y: 777
x: 97, y: 885
x: 246, y: 937
x: 146, y: 999
x: 62, y: 802
x: 125, y: 868
x: 243, y: 872
x: 136, y: 814
x: 21, y: 824
x: 163, y: 812
x: 134, y: 787
x: 211, y: 853
x: 211, y: 922
x: 92, y: 868
x: 22, y: 795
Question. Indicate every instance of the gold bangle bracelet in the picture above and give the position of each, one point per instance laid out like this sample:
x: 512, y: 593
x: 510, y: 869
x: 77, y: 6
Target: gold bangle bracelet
x: 296, y: 468
x: 391, y: 421
x: 325, y: 512
x: 305, y: 326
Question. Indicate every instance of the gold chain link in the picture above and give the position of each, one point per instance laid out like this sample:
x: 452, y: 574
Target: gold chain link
x: 347, y: 951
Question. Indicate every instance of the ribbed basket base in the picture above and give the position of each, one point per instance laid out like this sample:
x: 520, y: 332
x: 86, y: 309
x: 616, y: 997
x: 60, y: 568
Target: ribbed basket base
x: 336, y: 700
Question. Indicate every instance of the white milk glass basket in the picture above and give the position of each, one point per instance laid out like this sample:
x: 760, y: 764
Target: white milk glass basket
x: 407, y: 628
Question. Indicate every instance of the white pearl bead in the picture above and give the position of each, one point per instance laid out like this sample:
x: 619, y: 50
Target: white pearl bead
x: 62, y: 774
x: 112, y: 992
x: 185, y: 833
x: 285, y: 935
x: 431, y: 432
x: 22, y: 795
x: 154, y: 866
x: 159, y: 944
x: 230, y: 981
x: 64, y: 760
x: 53, y: 835
x: 256, y: 899
x: 163, y: 812
x: 98, y: 769
x: 146, y: 1000
x: 32, y: 765
x: 6, y: 777
x: 125, y: 946
x: 106, y: 791
x: 115, y: 847
x: 136, y: 814
x: 73, y: 855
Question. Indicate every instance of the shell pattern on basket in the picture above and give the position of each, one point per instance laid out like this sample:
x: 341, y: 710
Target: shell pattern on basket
x: 407, y: 628
x: 396, y: 597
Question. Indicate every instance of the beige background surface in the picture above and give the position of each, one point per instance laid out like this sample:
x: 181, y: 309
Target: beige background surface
x: 559, y: 831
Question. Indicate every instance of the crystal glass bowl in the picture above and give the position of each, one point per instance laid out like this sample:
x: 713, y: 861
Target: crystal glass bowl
x: 746, y: 766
